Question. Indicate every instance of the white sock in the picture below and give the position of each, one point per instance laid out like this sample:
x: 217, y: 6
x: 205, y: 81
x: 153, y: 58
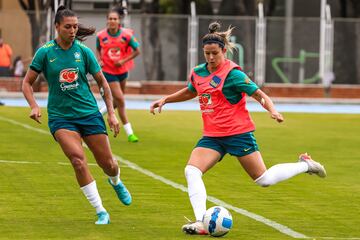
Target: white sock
x: 196, y: 190
x: 281, y: 172
x: 91, y: 193
x: 115, y: 179
x: 103, y: 110
x: 128, y: 129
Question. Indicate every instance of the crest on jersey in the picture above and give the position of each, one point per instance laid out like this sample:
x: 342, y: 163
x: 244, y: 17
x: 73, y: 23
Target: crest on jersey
x: 105, y: 40
x: 215, y: 81
x: 123, y: 39
x: 69, y: 75
x: 77, y: 57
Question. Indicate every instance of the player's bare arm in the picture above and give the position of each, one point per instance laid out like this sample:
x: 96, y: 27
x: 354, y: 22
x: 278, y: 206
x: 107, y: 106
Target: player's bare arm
x: 28, y: 81
x: 179, y: 96
x: 112, y: 120
x: 267, y: 103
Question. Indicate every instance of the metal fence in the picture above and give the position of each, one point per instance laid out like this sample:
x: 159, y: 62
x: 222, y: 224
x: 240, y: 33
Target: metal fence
x: 164, y: 45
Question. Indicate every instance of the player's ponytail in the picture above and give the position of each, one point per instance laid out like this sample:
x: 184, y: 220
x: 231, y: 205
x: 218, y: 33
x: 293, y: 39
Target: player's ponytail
x: 221, y: 38
x: 120, y: 10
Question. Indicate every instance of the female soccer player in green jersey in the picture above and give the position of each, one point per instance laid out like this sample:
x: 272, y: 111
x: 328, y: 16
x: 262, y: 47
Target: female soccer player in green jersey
x: 72, y: 109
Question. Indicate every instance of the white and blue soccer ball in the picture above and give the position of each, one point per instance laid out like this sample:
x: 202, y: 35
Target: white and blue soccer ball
x: 217, y: 221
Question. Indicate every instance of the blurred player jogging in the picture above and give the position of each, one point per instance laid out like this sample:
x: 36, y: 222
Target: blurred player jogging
x: 116, y: 48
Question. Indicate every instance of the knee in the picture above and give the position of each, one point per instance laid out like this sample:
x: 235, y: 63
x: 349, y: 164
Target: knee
x: 192, y: 171
x: 109, y: 164
x: 78, y: 163
x: 265, y: 180
x: 120, y: 101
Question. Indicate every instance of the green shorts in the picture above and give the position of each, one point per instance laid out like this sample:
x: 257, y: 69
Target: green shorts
x: 88, y: 125
x: 236, y: 145
x: 115, y: 78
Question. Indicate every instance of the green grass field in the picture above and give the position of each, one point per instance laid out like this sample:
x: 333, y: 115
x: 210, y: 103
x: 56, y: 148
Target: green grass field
x: 40, y: 199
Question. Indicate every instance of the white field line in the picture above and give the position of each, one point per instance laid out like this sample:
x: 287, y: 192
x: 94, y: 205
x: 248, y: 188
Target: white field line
x: 67, y: 164
x: 338, y: 238
x: 18, y: 162
x: 279, y: 227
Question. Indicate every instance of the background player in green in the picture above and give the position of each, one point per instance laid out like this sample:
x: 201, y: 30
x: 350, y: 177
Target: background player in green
x: 222, y: 88
x: 72, y: 109
x: 116, y: 48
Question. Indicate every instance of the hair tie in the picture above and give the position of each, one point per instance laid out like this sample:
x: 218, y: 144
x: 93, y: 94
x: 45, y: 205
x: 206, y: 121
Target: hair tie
x: 209, y: 41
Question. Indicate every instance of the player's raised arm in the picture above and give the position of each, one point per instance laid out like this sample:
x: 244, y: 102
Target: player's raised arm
x: 179, y: 96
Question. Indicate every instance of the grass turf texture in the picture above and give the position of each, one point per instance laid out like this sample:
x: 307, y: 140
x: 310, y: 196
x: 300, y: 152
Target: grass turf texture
x: 43, y: 201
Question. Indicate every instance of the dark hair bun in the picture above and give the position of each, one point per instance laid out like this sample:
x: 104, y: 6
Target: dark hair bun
x: 60, y: 8
x: 214, y: 27
x: 119, y: 9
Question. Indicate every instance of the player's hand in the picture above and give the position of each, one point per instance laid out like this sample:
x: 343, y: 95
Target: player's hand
x: 157, y: 104
x: 35, y: 114
x: 119, y: 63
x: 277, y: 116
x: 113, y: 123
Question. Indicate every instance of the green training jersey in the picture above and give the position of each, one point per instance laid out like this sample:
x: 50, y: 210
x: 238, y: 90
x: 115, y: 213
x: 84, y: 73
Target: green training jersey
x: 235, y: 83
x: 65, y: 71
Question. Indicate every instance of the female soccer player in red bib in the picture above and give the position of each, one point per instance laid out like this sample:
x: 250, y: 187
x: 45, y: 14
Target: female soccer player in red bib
x: 116, y: 48
x: 228, y: 128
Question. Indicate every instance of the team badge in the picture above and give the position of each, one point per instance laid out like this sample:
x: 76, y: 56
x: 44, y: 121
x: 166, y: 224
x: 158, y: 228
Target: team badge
x: 77, y: 57
x: 123, y: 40
x: 69, y: 75
x: 105, y: 40
x: 215, y: 81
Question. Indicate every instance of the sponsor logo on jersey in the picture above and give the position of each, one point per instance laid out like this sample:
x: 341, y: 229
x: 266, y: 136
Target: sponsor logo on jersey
x: 215, y: 81
x: 114, y: 53
x: 205, y: 99
x: 69, y: 75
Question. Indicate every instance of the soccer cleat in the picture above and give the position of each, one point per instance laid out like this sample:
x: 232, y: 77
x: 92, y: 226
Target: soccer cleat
x: 122, y: 192
x: 133, y: 138
x: 314, y: 167
x: 103, y: 218
x: 194, y: 228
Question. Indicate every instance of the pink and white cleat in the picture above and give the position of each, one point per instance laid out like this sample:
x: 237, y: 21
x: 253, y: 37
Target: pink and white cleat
x: 314, y: 167
x: 194, y: 228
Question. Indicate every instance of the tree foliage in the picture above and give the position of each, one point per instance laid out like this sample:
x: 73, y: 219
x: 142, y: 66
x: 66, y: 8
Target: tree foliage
x: 36, y: 11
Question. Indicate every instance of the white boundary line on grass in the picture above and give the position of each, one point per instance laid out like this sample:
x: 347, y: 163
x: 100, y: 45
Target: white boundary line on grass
x: 19, y: 162
x: 279, y: 227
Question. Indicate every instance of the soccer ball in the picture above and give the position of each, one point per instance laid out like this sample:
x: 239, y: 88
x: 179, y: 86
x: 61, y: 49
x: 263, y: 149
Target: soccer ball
x: 217, y: 221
